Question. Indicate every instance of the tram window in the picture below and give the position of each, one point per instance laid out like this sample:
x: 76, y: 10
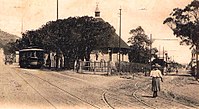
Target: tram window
x: 34, y: 54
x: 29, y: 54
x: 40, y: 54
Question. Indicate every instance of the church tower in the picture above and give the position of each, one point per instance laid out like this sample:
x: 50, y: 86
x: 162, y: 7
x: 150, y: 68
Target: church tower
x: 97, y: 12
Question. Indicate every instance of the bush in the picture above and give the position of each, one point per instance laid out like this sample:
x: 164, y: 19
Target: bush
x: 132, y: 67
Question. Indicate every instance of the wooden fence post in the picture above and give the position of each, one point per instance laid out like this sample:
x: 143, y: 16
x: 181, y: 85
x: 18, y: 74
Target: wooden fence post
x: 81, y: 66
x: 197, y: 63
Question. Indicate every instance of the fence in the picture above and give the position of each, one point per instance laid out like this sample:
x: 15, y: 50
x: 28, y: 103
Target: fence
x: 95, y: 66
x: 110, y: 67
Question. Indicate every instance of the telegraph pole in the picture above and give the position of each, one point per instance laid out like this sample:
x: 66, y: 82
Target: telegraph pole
x: 120, y: 37
x: 21, y: 8
x: 150, y: 52
x: 57, y: 10
x: 163, y: 54
x: 57, y: 35
x: 197, y: 63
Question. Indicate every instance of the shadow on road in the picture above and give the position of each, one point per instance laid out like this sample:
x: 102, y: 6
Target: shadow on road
x: 147, y: 96
x: 183, y: 75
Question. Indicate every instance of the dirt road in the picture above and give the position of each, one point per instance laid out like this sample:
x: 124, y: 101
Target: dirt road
x: 43, y: 89
x: 25, y: 88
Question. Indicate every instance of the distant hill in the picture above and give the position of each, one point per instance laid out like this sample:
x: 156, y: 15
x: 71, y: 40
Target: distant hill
x: 6, y: 37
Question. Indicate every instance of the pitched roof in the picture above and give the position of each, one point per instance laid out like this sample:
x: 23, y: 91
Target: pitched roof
x: 113, y: 43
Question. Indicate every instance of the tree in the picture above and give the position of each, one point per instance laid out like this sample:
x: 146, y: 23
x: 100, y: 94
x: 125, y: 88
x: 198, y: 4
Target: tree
x: 185, y: 24
x: 140, y: 46
x: 75, y: 37
x: 9, y: 48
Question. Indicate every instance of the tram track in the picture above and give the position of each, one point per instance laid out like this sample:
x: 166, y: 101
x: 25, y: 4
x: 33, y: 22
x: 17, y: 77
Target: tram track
x: 164, y: 99
x: 55, y: 86
x: 107, y: 96
x: 140, y: 100
x: 107, y: 93
x: 106, y: 101
x: 104, y: 94
x: 36, y: 91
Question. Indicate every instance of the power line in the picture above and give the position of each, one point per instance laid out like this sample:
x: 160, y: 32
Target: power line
x: 167, y: 39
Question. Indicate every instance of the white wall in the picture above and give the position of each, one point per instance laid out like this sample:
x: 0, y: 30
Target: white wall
x: 115, y: 57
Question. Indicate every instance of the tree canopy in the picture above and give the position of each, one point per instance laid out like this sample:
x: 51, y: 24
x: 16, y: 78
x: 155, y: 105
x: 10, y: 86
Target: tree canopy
x: 185, y: 23
x: 140, y: 46
x: 75, y: 37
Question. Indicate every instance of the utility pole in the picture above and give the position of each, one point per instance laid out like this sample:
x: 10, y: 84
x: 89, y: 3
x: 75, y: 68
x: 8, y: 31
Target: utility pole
x: 159, y: 51
x: 57, y: 10
x: 163, y: 54
x: 58, y: 36
x: 21, y: 9
x: 197, y: 62
x: 150, y: 52
x: 120, y: 37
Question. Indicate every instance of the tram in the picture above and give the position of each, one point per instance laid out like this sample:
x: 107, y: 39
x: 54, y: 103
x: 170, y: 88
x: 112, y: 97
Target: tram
x: 31, y: 58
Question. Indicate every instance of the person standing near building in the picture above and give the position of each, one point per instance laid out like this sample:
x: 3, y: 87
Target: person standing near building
x: 156, y: 77
x: 176, y: 70
x: 78, y: 65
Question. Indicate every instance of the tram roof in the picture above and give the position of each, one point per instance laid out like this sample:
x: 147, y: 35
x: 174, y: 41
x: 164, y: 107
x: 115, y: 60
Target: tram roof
x: 31, y: 49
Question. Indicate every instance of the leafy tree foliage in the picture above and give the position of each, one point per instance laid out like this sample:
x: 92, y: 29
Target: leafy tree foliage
x: 75, y: 37
x: 140, y: 46
x: 185, y: 23
x: 9, y: 48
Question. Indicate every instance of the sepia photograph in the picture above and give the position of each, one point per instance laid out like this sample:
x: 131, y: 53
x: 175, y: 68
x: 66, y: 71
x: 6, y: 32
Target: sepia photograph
x: 99, y: 54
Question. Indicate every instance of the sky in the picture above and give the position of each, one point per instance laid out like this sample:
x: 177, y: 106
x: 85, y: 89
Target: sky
x: 18, y: 16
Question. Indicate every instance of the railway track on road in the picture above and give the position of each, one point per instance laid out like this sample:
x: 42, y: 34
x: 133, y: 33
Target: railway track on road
x: 165, y: 101
x: 36, y: 90
x: 143, y: 87
x: 136, y: 96
x: 111, y: 99
x: 55, y: 86
x: 114, y: 96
